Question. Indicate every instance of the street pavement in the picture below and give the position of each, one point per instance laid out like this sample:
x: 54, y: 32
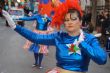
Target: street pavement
x: 14, y: 59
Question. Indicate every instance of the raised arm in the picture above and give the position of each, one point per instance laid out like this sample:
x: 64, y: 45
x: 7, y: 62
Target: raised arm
x: 46, y: 39
x: 33, y: 37
x: 31, y: 18
x: 93, y: 49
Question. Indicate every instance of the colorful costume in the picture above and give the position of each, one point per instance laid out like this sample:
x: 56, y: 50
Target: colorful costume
x: 70, y: 55
x: 76, y: 61
x: 42, y: 24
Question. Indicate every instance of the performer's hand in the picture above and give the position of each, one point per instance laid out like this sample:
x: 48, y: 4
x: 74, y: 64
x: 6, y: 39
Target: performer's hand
x: 81, y: 37
x: 9, y: 19
x: 98, y: 35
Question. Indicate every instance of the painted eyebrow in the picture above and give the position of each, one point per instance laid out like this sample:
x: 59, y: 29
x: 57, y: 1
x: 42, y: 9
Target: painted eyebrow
x: 73, y: 14
x: 74, y: 18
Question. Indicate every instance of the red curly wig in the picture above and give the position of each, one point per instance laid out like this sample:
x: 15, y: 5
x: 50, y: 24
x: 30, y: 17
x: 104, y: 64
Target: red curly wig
x: 62, y: 9
x: 59, y: 8
x: 45, y: 9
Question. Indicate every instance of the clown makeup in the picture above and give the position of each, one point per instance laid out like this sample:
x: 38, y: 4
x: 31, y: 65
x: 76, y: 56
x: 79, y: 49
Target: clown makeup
x: 72, y: 17
x: 72, y: 23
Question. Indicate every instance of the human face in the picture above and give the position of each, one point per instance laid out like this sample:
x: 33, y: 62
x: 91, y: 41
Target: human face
x: 72, y: 23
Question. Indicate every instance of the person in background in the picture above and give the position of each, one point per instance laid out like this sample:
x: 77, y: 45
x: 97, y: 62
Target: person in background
x: 88, y: 17
x: 74, y: 48
x: 6, y: 7
x: 41, y: 25
x: 39, y: 50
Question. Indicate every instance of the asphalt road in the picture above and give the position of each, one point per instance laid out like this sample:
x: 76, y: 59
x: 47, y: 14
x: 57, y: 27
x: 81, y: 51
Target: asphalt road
x: 14, y: 59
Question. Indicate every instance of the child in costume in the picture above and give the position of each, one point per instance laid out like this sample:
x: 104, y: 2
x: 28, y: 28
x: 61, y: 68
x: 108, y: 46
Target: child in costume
x: 74, y: 48
x: 41, y: 25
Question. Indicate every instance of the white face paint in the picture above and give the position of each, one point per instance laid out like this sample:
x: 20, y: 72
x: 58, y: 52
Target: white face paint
x: 72, y: 22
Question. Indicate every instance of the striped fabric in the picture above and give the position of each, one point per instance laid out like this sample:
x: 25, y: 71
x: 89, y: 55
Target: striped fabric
x: 43, y: 49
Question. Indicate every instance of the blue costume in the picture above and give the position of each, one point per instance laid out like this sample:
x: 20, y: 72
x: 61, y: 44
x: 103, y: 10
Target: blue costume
x: 77, y: 61
x: 42, y: 24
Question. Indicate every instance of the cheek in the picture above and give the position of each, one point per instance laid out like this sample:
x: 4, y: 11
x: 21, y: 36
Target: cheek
x: 73, y: 24
x: 78, y: 23
x: 66, y: 26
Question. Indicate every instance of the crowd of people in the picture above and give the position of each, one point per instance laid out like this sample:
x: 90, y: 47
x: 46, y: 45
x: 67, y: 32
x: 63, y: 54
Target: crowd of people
x: 103, y: 22
x: 74, y: 47
x: 102, y: 28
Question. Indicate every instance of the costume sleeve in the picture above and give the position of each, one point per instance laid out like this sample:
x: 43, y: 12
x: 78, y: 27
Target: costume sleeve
x: 94, y: 51
x: 45, y: 39
x: 28, y: 18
